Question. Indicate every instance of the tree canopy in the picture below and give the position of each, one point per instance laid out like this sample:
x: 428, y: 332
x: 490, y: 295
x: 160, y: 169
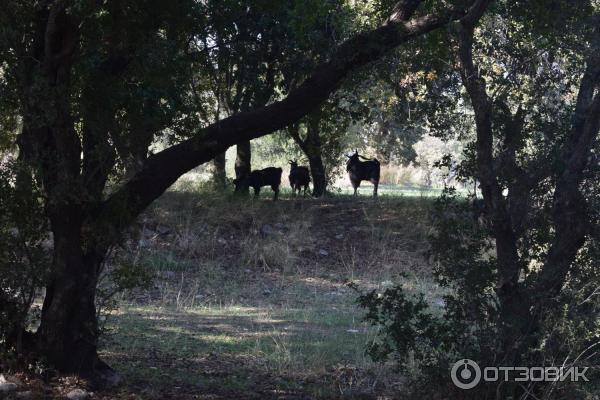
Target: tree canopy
x: 106, y: 104
x: 94, y: 85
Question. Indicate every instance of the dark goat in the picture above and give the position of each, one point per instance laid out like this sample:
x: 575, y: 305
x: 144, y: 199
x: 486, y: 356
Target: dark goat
x: 299, y: 177
x: 363, y: 171
x: 270, y: 176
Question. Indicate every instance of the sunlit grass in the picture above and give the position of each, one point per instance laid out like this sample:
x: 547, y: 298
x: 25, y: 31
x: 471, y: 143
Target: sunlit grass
x: 366, y: 190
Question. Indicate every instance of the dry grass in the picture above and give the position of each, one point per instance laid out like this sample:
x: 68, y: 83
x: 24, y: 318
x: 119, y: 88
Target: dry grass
x: 250, y: 297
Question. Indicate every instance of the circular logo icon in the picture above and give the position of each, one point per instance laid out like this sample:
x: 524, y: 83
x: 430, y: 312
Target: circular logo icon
x: 465, y: 374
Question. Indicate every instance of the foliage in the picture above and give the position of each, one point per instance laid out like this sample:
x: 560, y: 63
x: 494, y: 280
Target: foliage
x: 24, y: 251
x: 424, y: 342
x: 404, y: 322
x: 124, y: 275
x: 532, y: 79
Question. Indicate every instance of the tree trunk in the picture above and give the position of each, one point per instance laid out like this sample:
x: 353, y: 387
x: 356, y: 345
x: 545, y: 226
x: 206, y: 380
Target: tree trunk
x: 68, y: 332
x: 219, y: 175
x: 243, y: 162
x: 317, y: 171
x: 312, y: 149
x: 50, y: 144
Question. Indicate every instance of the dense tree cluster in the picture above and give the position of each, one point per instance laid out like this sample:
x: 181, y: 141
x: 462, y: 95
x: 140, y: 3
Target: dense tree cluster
x: 522, y: 274
x: 105, y: 104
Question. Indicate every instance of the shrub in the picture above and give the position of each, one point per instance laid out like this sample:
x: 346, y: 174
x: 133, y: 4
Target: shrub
x: 425, y: 346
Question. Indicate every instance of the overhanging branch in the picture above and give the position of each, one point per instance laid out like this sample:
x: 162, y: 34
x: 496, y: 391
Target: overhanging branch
x: 164, y: 168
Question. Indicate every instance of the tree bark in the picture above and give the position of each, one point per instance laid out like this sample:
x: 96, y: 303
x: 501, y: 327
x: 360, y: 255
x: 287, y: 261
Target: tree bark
x: 243, y: 162
x: 312, y: 149
x: 514, y: 310
x: 218, y: 172
x: 317, y: 170
x: 68, y: 332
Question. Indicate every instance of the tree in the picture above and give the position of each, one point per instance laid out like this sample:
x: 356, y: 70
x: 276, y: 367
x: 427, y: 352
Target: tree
x: 522, y: 277
x: 311, y: 147
x: 218, y: 173
x: 240, y: 52
x: 523, y: 303
x: 319, y: 137
x: 313, y: 41
x: 81, y: 74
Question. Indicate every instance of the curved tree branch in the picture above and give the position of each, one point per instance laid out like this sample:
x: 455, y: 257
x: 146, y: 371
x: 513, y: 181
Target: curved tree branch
x: 164, y: 168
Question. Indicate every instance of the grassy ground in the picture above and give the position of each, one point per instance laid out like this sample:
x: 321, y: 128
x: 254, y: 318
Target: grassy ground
x: 250, y: 299
x: 393, y: 191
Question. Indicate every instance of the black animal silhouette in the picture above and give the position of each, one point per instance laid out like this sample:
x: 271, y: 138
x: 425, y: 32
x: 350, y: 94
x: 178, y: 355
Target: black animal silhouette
x: 256, y: 179
x: 363, y: 171
x: 299, y: 177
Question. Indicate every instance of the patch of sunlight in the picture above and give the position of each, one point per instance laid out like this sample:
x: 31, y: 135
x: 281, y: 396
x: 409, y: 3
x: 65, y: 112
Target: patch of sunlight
x: 175, y: 329
x: 320, y: 281
x: 229, y: 310
x: 220, y: 339
x: 159, y: 313
x: 145, y: 310
x: 114, y: 354
x: 158, y: 317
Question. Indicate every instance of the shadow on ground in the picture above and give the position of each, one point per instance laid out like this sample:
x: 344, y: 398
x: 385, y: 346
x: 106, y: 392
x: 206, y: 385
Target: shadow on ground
x: 250, y: 298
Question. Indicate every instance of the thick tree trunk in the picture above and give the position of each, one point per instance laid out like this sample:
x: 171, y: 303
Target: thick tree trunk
x: 219, y: 175
x: 243, y: 162
x: 317, y: 170
x: 68, y: 332
x: 50, y: 144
